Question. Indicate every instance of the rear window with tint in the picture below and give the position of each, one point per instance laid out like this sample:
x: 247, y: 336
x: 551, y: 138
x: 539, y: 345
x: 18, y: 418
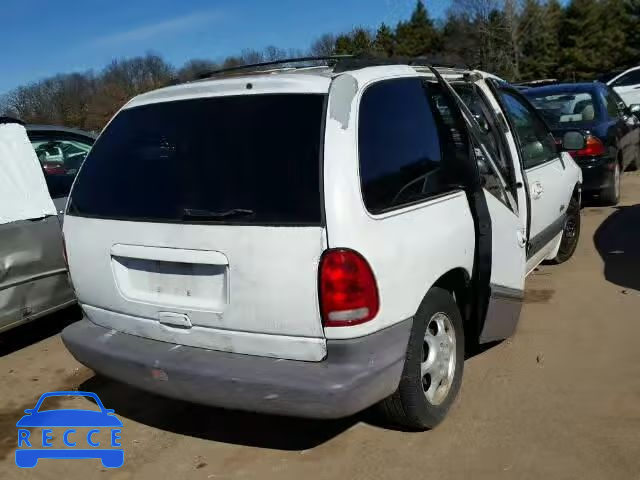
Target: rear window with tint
x: 252, y: 159
x: 408, y: 144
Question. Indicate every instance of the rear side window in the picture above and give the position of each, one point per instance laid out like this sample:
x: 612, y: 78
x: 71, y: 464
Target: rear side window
x: 401, y: 144
x: 251, y: 159
x: 631, y: 78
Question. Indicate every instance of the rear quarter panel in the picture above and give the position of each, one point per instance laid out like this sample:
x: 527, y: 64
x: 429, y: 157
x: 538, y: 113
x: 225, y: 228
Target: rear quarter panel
x: 408, y: 249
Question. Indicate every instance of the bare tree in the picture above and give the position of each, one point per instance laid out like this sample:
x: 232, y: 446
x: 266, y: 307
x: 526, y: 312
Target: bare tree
x: 500, y: 31
x: 249, y: 56
x: 194, y: 68
x: 272, y: 53
x: 323, y: 46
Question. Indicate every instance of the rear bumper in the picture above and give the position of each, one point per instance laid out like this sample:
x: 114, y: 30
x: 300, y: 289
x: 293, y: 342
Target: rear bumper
x: 597, y: 174
x: 356, y: 374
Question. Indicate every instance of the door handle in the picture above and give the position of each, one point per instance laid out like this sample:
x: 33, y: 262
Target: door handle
x: 537, y: 190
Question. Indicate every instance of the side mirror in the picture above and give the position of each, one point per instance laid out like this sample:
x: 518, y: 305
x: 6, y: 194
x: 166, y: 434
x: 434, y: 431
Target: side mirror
x: 573, y: 141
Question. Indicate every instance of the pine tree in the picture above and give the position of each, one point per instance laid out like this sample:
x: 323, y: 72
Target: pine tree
x: 613, y: 49
x: 384, y: 42
x: 497, y: 47
x: 417, y: 36
x: 539, y: 30
x: 356, y: 42
x: 361, y: 40
x: 553, y: 19
x: 344, y: 44
x: 459, y: 41
x: 580, y: 40
x: 632, y: 8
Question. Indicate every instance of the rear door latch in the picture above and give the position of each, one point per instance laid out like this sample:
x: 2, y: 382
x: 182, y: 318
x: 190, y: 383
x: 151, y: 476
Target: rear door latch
x: 171, y: 319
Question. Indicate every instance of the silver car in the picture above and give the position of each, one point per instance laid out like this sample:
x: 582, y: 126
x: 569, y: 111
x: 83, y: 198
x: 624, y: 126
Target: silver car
x: 33, y: 273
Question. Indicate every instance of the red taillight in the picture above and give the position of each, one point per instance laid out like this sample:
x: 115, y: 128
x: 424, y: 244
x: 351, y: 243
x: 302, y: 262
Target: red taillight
x: 53, y: 169
x: 593, y: 148
x: 348, y: 290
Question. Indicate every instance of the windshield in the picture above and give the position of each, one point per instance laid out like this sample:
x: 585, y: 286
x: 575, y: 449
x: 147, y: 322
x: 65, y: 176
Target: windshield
x: 565, y: 108
x: 251, y: 159
x: 60, y: 157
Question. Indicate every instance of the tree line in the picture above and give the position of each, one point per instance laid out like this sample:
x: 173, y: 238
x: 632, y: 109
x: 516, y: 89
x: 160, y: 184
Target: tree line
x: 516, y: 39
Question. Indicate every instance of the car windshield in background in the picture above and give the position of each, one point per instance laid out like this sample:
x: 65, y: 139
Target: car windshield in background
x: 564, y: 108
x: 251, y: 159
x: 61, y: 158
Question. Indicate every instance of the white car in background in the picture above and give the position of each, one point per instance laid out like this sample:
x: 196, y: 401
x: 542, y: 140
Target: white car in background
x: 626, y: 84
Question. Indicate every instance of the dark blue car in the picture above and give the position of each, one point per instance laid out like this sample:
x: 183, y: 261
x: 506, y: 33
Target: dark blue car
x: 68, y: 418
x: 611, y: 127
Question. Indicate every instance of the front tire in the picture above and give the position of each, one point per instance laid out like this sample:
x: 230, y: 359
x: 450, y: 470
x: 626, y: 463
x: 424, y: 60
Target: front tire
x: 433, y: 366
x: 570, y: 233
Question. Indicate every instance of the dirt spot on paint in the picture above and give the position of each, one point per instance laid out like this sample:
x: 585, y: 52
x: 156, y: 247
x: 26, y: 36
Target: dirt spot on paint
x: 538, y: 296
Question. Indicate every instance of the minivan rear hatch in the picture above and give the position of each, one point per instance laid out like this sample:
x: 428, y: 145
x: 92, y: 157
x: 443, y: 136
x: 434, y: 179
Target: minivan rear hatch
x: 199, y: 222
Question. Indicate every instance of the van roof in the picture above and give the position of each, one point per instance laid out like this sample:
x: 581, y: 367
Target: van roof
x: 237, y: 85
x: 306, y: 79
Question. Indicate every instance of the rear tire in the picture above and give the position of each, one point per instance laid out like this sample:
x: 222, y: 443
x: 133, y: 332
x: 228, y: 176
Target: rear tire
x: 433, y: 366
x: 570, y: 233
x: 611, y: 194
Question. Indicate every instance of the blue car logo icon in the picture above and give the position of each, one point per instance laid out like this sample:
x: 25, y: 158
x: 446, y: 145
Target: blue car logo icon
x: 28, y: 452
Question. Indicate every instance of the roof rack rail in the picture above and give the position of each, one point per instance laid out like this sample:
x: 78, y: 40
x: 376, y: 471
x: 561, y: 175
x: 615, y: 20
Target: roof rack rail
x: 271, y: 63
x: 341, y: 63
x: 362, y: 61
x: 435, y: 61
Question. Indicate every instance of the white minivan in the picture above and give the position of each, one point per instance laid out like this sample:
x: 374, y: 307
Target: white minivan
x: 307, y: 242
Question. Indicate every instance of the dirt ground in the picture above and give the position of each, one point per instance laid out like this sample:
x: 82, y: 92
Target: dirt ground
x: 560, y: 400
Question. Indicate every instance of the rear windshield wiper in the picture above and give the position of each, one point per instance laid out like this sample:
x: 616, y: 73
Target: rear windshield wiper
x: 194, y: 213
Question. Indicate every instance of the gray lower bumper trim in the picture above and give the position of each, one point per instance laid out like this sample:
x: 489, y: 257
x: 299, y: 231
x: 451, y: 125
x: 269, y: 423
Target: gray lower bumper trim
x: 503, y: 313
x: 356, y: 373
